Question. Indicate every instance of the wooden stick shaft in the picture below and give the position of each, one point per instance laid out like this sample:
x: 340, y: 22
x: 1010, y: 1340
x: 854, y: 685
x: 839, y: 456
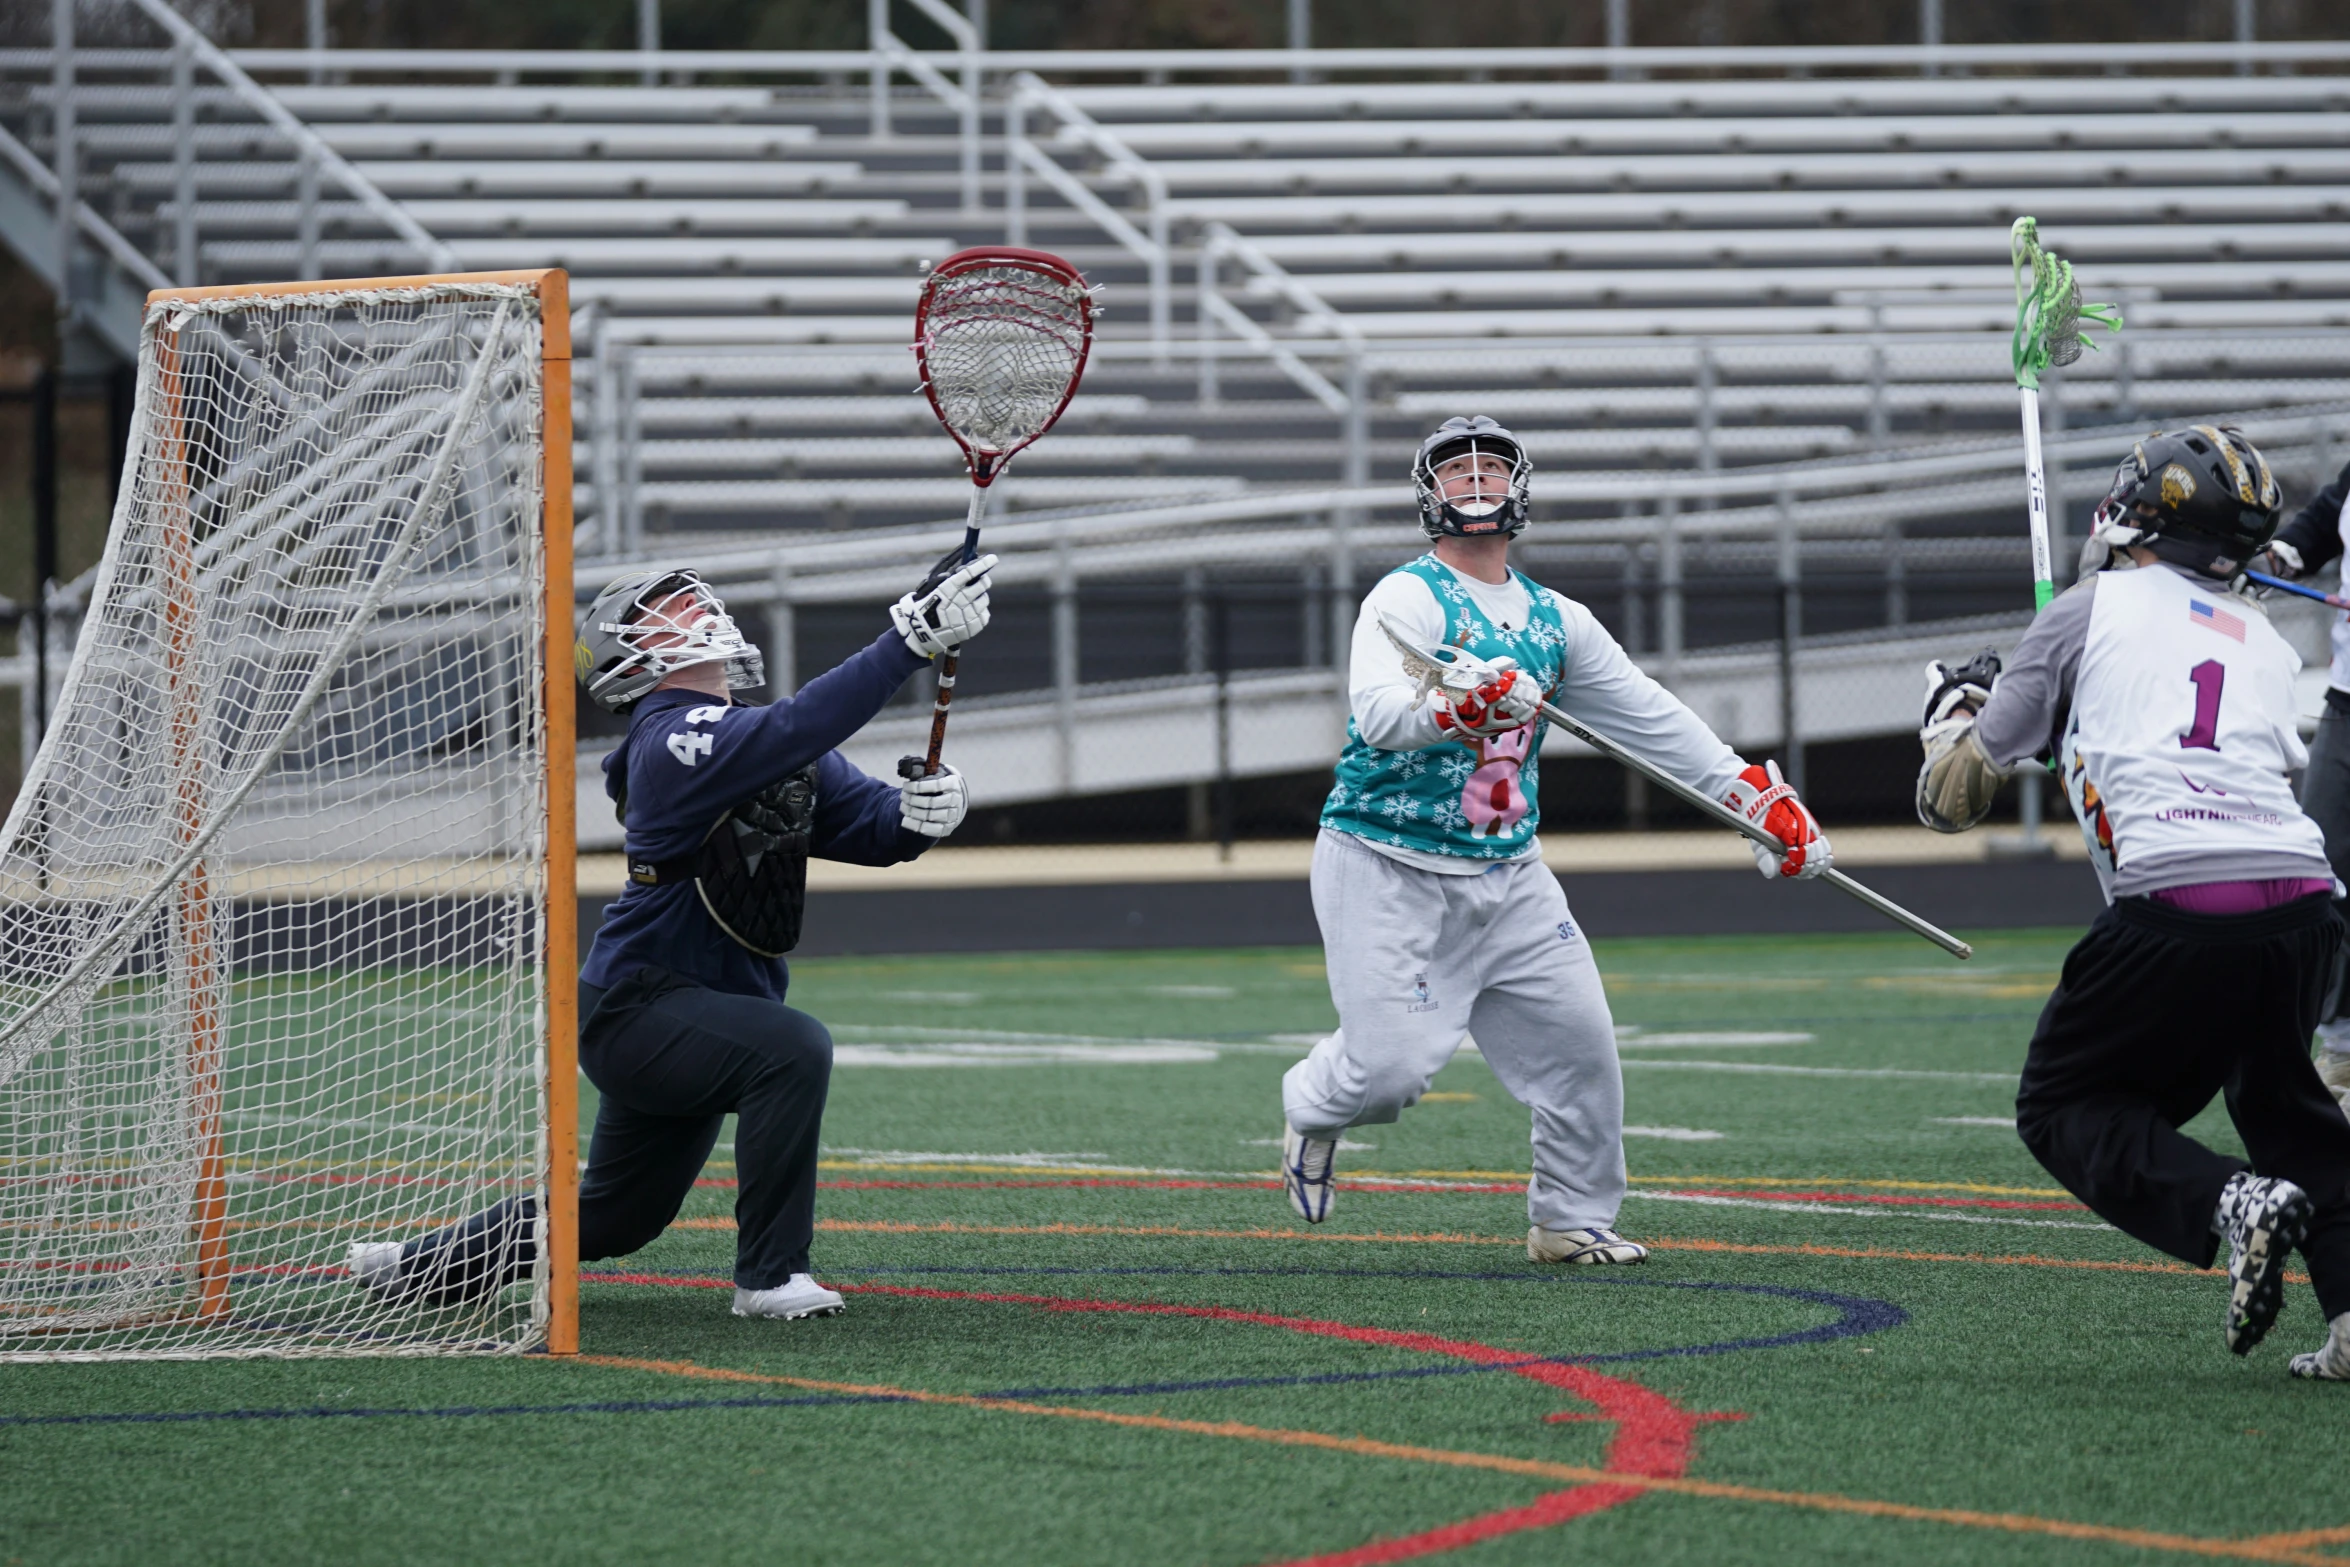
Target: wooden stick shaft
x: 1740, y: 825
x: 950, y: 663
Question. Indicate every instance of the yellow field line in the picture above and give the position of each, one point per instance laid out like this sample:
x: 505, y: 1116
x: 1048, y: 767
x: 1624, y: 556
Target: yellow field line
x: 2262, y: 1550
x: 2301, y: 1537
x: 1439, y: 1238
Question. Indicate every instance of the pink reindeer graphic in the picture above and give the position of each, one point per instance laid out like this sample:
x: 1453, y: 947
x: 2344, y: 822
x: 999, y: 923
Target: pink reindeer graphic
x: 1492, y: 800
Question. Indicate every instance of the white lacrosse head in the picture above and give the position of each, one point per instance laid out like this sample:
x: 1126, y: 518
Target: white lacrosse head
x: 1439, y: 668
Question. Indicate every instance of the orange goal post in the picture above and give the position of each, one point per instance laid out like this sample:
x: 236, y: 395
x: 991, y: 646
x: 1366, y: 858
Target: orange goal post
x: 288, y: 945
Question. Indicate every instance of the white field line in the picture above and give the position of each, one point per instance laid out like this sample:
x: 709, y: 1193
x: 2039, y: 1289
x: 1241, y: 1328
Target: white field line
x: 1634, y: 1039
x: 2004, y: 1122
x: 922, y: 1034
x: 1863, y: 1213
x: 1675, y: 1134
x: 919, y: 1156
x: 1823, y: 1071
x: 1075, y: 1163
x: 969, y: 1054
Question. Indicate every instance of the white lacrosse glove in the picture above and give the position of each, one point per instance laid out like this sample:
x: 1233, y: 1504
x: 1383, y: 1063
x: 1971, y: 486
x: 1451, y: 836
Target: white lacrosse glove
x: 1958, y: 782
x: 933, y: 806
x: 1764, y: 798
x: 940, y: 617
x: 2283, y: 560
x: 1507, y: 701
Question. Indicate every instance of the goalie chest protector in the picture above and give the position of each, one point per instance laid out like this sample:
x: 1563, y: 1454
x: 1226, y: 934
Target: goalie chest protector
x: 751, y: 872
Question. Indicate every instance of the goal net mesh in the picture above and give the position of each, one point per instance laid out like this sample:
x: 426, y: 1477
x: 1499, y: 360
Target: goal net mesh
x: 272, y: 934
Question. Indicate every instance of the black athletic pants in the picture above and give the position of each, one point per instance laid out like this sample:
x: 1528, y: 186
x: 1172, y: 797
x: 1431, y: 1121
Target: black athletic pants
x: 670, y: 1059
x: 2157, y: 1011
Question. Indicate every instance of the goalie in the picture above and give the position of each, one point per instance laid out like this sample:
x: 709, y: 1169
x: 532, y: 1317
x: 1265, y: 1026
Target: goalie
x: 2166, y: 699
x: 682, y: 1016
x: 1438, y: 915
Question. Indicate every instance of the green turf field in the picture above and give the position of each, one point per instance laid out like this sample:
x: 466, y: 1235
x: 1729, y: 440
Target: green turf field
x: 1872, y: 1329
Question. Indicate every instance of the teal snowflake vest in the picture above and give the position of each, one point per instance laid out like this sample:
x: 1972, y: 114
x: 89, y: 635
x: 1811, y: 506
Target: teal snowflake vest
x: 1471, y: 798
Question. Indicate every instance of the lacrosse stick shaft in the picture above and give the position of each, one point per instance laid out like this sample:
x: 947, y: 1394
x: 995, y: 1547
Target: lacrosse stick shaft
x: 2282, y: 586
x: 1739, y: 824
x: 2036, y: 497
x: 948, y: 664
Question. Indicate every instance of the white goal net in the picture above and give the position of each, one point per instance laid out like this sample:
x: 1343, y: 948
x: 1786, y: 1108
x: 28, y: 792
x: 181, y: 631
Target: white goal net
x: 275, y: 898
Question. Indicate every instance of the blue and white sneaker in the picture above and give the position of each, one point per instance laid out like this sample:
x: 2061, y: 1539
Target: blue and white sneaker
x: 1308, y: 1172
x: 2262, y: 1219
x: 1598, y: 1244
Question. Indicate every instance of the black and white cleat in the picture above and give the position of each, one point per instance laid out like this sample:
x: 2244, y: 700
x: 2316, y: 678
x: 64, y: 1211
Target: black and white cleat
x: 2262, y: 1220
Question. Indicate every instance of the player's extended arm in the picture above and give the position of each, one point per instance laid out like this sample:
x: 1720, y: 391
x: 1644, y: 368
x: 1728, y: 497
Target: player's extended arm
x: 2313, y: 536
x: 863, y: 821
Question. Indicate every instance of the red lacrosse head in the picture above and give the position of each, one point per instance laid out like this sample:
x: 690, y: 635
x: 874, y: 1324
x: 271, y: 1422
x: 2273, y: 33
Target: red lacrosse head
x: 1001, y: 336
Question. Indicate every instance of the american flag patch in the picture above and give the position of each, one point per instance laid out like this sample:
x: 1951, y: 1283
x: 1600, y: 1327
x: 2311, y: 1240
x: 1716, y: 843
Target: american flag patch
x: 2215, y: 618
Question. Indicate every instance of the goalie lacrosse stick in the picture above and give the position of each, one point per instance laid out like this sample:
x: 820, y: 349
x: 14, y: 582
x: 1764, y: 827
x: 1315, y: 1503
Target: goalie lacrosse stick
x: 1000, y: 338
x: 1439, y: 668
x: 2048, y: 317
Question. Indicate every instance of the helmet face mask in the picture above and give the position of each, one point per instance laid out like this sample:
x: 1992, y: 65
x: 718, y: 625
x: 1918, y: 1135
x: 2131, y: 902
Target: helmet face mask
x: 648, y: 625
x: 2202, y: 497
x: 1472, y: 477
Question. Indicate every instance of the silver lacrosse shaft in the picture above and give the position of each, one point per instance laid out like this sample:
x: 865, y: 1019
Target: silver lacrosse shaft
x: 1737, y: 823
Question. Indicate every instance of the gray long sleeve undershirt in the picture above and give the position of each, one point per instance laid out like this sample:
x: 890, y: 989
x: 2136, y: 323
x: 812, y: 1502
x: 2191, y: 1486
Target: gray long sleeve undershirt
x: 2023, y: 720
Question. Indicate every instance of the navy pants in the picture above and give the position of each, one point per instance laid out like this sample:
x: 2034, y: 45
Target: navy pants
x: 2157, y: 1012
x: 670, y: 1059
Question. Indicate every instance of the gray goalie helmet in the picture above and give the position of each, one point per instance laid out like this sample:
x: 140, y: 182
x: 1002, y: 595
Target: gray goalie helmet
x: 1487, y: 513
x: 626, y: 649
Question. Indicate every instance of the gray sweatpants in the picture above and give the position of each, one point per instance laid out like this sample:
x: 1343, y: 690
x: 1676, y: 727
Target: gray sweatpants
x: 2325, y: 800
x: 1417, y: 959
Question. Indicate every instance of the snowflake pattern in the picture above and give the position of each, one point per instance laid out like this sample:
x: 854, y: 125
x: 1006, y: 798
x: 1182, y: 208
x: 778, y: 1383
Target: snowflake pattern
x: 1411, y: 764
x: 1456, y: 768
x: 1449, y: 816
x: 1400, y: 808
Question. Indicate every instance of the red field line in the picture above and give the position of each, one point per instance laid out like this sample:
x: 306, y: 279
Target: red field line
x: 1654, y: 1435
x: 1407, y: 1189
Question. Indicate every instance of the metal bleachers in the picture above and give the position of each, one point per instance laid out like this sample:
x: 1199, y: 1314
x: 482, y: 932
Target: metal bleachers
x: 1683, y: 276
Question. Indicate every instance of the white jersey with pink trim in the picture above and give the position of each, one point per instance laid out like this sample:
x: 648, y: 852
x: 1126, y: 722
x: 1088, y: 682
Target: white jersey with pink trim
x: 2180, y: 736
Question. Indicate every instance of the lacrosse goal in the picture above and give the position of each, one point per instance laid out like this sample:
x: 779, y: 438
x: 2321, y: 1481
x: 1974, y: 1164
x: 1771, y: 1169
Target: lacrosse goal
x: 286, y: 900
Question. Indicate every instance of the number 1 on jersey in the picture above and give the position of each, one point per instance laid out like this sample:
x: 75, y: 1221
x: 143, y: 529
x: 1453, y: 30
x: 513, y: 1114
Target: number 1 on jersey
x: 2210, y: 677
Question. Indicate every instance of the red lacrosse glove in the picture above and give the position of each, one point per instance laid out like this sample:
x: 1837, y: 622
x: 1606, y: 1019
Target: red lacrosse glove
x: 1764, y: 798
x: 1507, y: 701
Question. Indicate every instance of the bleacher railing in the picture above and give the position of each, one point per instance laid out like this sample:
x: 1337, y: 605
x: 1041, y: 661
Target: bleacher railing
x: 1780, y: 527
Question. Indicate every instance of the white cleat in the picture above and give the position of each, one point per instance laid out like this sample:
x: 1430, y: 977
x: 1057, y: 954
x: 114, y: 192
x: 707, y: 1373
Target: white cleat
x: 1309, y: 1172
x: 1597, y: 1244
x: 2330, y: 1362
x: 376, y: 1264
x: 800, y: 1296
x: 2333, y: 1070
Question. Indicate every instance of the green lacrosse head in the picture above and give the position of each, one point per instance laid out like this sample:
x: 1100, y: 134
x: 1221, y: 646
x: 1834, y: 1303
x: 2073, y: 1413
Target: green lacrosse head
x: 2048, y: 308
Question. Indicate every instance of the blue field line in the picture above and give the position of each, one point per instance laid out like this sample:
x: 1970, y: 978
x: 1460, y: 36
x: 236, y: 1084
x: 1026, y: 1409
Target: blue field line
x: 1858, y: 1315
x: 449, y: 1412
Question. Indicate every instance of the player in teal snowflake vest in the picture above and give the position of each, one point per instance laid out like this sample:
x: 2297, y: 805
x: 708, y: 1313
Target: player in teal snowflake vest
x: 1473, y: 798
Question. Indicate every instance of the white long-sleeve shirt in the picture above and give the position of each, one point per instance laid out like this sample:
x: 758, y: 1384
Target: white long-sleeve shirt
x: 1603, y: 688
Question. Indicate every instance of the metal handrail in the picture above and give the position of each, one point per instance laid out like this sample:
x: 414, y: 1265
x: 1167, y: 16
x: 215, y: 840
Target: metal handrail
x: 891, y: 51
x: 1021, y: 153
x: 119, y: 250
x: 317, y: 156
x: 1667, y: 490
x: 1642, y: 58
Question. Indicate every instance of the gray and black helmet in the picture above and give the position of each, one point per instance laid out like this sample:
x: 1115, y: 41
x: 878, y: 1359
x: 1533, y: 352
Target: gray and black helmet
x: 1475, y: 436
x: 2202, y: 497
x: 622, y: 655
